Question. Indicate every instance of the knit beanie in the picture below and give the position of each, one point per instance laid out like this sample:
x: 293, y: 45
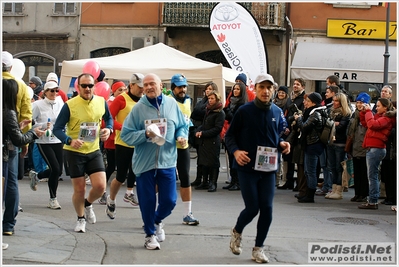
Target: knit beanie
x: 364, y: 97
x: 315, y: 98
x: 242, y: 77
x: 116, y: 85
x: 283, y: 88
x: 36, y: 80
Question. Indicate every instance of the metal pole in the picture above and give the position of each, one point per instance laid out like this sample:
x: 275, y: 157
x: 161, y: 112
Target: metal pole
x: 386, y: 54
x: 289, y: 51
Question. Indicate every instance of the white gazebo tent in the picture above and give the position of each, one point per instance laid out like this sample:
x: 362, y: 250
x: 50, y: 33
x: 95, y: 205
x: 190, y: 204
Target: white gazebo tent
x: 160, y: 59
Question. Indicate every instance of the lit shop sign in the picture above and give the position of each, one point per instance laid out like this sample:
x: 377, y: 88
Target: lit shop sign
x: 360, y: 29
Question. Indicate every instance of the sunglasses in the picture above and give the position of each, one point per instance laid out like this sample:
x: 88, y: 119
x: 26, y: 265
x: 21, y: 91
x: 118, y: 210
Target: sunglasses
x: 87, y: 85
x: 54, y: 90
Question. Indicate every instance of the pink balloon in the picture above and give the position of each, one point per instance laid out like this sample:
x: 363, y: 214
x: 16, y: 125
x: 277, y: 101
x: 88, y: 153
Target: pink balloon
x: 76, y: 85
x: 92, y: 67
x: 102, y: 89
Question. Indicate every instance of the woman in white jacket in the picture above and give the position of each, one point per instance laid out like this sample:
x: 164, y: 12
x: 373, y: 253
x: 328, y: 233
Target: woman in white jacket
x: 45, y: 113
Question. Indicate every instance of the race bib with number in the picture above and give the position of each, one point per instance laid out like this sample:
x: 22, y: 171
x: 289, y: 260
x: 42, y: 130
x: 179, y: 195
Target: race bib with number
x: 88, y: 131
x: 161, y: 123
x: 266, y: 159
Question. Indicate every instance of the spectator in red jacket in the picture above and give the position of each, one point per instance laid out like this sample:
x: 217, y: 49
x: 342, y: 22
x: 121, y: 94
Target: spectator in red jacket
x: 378, y: 130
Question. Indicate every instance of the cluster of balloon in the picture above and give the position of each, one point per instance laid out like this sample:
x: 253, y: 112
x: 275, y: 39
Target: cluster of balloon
x: 18, y: 71
x: 101, y: 88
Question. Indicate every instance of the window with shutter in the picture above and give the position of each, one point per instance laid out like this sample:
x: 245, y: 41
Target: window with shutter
x: 59, y: 8
x: 18, y: 8
x: 7, y: 8
x: 70, y: 8
x: 12, y: 8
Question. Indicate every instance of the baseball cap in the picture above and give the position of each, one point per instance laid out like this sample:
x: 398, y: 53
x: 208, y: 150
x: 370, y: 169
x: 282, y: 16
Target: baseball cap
x: 52, y: 77
x: 264, y: 77
x: 179, y: 80
x: 6, y: 59
x: 137, y: 78
x: 50, y: 85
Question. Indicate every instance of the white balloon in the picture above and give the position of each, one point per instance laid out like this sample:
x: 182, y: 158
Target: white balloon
x: 18, y: 68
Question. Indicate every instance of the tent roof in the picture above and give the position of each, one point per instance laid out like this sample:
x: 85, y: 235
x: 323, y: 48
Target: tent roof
x: 160, y: 59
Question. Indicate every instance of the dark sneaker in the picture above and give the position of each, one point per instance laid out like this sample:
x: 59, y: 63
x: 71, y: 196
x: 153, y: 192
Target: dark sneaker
x: 131, y: 198
x: 368, y: 206
x: 190, y: 220
x: 110, y: 209
x: 103, y: 199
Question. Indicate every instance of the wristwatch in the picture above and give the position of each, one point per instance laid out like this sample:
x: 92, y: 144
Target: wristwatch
x: 69, y: 141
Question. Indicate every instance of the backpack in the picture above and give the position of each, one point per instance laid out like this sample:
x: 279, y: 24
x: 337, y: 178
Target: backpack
x: 327, y: 134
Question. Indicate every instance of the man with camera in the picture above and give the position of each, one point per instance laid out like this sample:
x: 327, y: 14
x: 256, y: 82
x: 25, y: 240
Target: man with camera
x: 296, y: 154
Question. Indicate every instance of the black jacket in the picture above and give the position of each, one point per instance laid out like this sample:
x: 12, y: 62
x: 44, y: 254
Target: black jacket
x: 12, y: 134
x: 311, y: 126
x: 209, y: 143
x: 198, y: 114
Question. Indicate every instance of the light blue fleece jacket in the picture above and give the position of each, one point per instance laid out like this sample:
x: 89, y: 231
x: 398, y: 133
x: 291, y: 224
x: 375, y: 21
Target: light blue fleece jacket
x: 147, y: 155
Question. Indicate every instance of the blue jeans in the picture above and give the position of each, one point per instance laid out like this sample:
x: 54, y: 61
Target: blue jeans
x: 335, y: 155
x: 11, y: 193
x: 327, y: 184
x: 310, y: 165
x: 373, y: 159
x: 257, y: 191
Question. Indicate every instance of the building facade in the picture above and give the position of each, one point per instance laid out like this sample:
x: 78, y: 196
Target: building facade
x: 296, y: 36
x: 347, y: 39
x: 42, y: 35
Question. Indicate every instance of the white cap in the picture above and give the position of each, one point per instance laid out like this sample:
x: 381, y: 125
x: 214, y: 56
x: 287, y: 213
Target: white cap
x: 264, y: 77
x: 6, y: 59
x: 158, y: 139
x: 50, y: 85
x: 52, y: 77
x: 137, y: 78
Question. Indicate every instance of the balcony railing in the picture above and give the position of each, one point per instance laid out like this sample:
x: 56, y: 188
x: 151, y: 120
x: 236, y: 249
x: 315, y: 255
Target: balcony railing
x: 269, y: 15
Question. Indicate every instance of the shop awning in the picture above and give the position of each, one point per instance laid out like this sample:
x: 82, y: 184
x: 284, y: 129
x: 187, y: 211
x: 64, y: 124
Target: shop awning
x: 351, y: 62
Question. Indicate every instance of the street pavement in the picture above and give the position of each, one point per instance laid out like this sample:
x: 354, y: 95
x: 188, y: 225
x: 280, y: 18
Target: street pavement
x: 46, y: 237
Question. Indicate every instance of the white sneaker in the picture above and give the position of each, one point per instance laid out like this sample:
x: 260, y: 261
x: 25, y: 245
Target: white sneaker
x: 53, y: 204
x: 235, y: 242
x: 89, y: 214
x: 4, y: 246
x: 160, y: 232
x: 87, y: 180
x: 80, y: 226
x: 151, y: 243
x: 259, y: 256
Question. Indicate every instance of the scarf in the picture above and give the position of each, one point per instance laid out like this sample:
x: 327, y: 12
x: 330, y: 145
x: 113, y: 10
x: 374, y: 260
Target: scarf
x: 262, y: 105
x: 334, y: 112
x: 280, y: 102
x: 215, y: 108
x: 295, y: 95
x: 234, y: 101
